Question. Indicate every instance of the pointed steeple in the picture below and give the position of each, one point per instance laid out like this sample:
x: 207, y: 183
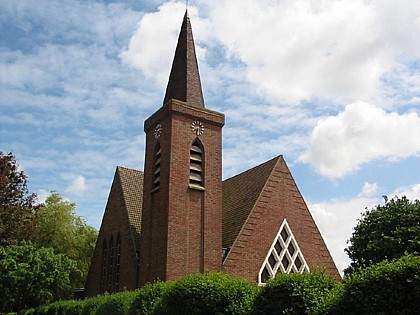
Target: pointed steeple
x: 184, y: 81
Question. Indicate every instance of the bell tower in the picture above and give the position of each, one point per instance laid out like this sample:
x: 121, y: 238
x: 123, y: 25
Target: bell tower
x: 181, y: 228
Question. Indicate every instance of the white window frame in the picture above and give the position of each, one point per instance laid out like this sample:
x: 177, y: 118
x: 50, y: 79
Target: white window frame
x: 278, y: 265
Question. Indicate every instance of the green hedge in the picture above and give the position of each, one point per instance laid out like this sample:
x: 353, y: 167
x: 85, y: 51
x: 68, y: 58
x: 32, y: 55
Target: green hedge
x: 294, y: 294
x: 210, y: 293
x: 385, y: 288
x: 147, y: 298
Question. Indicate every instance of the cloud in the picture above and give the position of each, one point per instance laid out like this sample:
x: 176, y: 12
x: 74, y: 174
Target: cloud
x: 298, y: 50
x: 152, y: 46
x: 78, y: 186
x: 411, y: 192
x: 360, y: 134
x: 335, y: 219
x: 369, y: 189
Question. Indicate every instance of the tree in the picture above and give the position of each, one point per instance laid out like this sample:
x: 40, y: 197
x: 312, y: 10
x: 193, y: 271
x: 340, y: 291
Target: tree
x: 385, y: 232
x: 32, y: 275
x: 60, y: 228
x: 17, y: 205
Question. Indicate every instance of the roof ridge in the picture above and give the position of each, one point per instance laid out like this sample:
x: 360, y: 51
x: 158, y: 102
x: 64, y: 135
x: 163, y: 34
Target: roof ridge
x: 128, y: 168
x: 252, y: 168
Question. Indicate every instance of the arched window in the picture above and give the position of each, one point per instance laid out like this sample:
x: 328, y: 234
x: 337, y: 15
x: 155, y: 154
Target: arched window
x: 110, y: 264
x: 117, y: 264
x: 196, y: 164
x: 104, y: 269
x: 157, y: 163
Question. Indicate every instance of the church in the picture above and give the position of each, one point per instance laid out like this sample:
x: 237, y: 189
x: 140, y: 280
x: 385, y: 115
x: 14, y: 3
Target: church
x: 178, y: 217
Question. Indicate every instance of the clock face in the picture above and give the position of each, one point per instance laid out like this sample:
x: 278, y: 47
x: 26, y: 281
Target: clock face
x: 197, y: 128
x: 158, y: 131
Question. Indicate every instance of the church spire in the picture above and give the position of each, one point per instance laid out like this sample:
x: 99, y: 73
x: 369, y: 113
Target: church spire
x: 184, y: 81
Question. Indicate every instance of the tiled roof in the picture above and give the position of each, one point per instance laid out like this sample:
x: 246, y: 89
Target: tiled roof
x: 240, y: 194
x: 184, y: 81
x: 132, y: 188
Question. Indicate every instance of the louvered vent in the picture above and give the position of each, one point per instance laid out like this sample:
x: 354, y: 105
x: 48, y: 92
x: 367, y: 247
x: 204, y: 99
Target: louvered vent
x: 158, y: 160
x: 196, y: 165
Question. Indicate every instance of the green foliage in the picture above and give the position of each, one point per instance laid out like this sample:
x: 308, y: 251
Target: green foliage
x: 147, y: 298
x: 116, y: 304
x: 294, y: 294
x: 17, y: 205
x: 30, y: 276
x: 210, y: 293
x: 89, y: 306
x: 385, y: 288
x: 386, y: 232
x: 61, y: 229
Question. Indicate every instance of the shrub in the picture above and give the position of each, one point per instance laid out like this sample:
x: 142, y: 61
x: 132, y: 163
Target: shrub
x: 89, y: 306
x: 210, y: 293
x: 147, y: 298
x: 385, y: 288
x: 294, y: 294
x: 116, y: 304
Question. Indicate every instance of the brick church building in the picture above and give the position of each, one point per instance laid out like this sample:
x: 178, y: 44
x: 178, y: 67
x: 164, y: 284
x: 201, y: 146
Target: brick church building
x: 178, y: 217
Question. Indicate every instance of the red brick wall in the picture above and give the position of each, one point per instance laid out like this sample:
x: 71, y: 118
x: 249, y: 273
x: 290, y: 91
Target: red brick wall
x: 181, y: 226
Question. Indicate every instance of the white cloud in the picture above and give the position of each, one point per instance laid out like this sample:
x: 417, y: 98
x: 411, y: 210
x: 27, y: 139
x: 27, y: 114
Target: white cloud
x: 411, y: 192
x: 77, y: 186
x: 369, y: 189
x: 152, y: 46
x: 42, y: 195
x: 336, y: 219
x: 300, y: 49
x: 359, y: 134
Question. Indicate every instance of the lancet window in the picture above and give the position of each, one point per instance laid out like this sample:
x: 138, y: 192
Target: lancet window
x: 110, y: 264
x: 118, y: 263
x: 104, y: 265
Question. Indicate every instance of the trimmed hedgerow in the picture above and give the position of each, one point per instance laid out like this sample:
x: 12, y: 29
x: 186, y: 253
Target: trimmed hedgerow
x: 147, y: 298
x: 89, y: 306
x: 294, y: 294
x: 385, y: 288
x: 209, y: 293
x: 116, y: 304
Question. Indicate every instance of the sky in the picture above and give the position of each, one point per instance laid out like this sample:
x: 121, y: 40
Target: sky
x: 332, y: 85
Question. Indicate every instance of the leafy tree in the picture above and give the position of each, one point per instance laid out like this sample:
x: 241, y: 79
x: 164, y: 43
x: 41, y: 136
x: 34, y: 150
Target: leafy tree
x: 32, y: 275
x: 385, y: 232
x: 61, y: 229
x: 17, y: 205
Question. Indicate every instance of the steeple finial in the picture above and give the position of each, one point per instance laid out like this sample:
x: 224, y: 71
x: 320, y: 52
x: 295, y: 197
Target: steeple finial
x: 184, y: 81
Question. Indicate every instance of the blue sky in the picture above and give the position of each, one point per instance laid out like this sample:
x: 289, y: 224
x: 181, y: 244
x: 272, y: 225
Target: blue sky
x: 332, y: 85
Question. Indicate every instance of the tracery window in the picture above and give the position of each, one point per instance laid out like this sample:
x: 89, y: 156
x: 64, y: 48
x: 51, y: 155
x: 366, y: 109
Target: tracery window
x: 284, y: 256
x: 196, y: 164
x: 157, y: 164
